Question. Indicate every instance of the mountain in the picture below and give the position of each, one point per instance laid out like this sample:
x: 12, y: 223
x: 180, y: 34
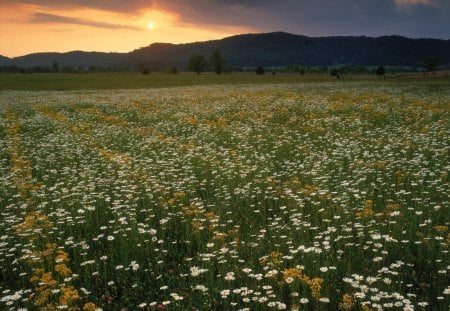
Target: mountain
x: 267, y: 50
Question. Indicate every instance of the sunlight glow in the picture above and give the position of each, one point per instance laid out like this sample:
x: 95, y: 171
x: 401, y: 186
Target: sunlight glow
x: 26, y: 29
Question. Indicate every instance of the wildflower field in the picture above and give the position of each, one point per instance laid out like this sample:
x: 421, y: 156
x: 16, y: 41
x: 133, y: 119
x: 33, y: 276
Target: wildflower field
x: 304, y: 196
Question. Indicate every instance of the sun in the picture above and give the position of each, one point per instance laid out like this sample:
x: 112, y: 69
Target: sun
x: 151, y: 25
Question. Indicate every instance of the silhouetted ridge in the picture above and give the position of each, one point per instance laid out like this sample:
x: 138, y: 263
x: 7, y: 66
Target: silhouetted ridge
x: 267, y: 49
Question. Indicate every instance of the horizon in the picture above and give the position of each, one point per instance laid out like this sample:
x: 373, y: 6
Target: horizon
x: 217, y: 39
x: 29, y: 27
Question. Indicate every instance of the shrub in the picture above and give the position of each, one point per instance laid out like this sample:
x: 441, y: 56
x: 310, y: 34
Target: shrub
x: 198, y: 63
x: 334, y: 72
x: 217, y: 62
x: 381, y: 71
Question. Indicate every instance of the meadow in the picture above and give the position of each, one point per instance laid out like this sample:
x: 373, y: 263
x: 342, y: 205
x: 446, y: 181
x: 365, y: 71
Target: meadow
x: 329, y: 195
x: 130, y: 80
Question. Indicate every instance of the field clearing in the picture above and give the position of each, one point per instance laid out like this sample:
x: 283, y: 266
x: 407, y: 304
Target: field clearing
x: 291, y: 196
x: 82, y: 81
x: 106, y: 81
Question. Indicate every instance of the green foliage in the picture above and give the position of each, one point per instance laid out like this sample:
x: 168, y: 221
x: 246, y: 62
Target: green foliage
x: 197, y: 63
x: 334, y: 72
x: 431, y: 63
x: 55, y: 67
x: 381, y: 71
x: 260, y: 71
x: 361, y: 70
x: 68, y: 69
x: 218, y: 62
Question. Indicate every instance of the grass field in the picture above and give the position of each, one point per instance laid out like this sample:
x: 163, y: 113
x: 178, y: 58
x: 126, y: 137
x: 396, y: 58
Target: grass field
x: 137, y: 80
x: 63, y: 82
x: 242, y: 196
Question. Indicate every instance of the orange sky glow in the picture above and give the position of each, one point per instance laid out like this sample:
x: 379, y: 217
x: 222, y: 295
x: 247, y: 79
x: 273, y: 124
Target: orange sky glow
x: 30, y: 28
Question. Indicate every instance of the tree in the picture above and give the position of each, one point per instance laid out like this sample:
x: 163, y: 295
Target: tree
x: 143, y: 68
x: 67, y: 69
x: 334, y: 72
x: 381, y: 71
x: 55, y: 67
x: 361, y: 69
x: 198, y: 63
x: 431, y: 63
x: 217, y: 62
x: 92, y: 68
x: 260, y: 71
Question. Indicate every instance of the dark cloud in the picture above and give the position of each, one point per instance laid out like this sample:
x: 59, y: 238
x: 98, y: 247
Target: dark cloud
x: 414, y: 18
x: 45, y: 18
x: 324, y: 17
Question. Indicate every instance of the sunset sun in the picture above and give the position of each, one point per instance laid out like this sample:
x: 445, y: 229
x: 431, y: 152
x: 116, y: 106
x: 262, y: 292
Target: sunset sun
x: 151, y: 25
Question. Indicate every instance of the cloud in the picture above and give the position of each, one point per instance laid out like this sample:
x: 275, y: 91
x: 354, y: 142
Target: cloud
x: 322, y: 17
x: 414, y: 18
x: 413, y: 2
x: 45, y: 18
x: 123, y: 6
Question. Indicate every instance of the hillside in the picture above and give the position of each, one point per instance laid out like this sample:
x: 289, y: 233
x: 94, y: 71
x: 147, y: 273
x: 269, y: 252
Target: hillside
x: 268, y: 49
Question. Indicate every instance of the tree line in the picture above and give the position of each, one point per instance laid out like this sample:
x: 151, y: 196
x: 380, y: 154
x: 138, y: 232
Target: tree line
x: 55, y: 68
x: 218, y: 64
x: 199, y: 64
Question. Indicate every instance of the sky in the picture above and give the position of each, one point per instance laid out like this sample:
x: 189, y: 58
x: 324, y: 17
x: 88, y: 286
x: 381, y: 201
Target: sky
x: 30, y: 26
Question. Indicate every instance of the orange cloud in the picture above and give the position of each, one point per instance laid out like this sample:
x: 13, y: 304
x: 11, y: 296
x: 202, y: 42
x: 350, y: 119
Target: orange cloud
x: 46, y: 18
x: 28, y: 26
x: 31, y: 28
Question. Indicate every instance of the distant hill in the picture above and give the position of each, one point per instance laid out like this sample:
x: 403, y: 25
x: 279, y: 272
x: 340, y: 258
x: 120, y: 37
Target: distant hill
x: 267, y: 50
x: 5, y: 60
x: 73, y: 59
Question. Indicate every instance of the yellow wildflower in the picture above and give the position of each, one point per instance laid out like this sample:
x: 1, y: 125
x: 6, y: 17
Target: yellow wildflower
x: 292, y: 273
x: 61, y: 257
x: 347, y: 303
x: 440, y: 228
x: 368, y: 204
x: 48, y: 280
x: 210, y: 216
x: 365, y: 213
x: 68, y: 295
x: 315, y: 284
x: 89, y: 307
x: 179, y: 195
x: 62, y: 269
